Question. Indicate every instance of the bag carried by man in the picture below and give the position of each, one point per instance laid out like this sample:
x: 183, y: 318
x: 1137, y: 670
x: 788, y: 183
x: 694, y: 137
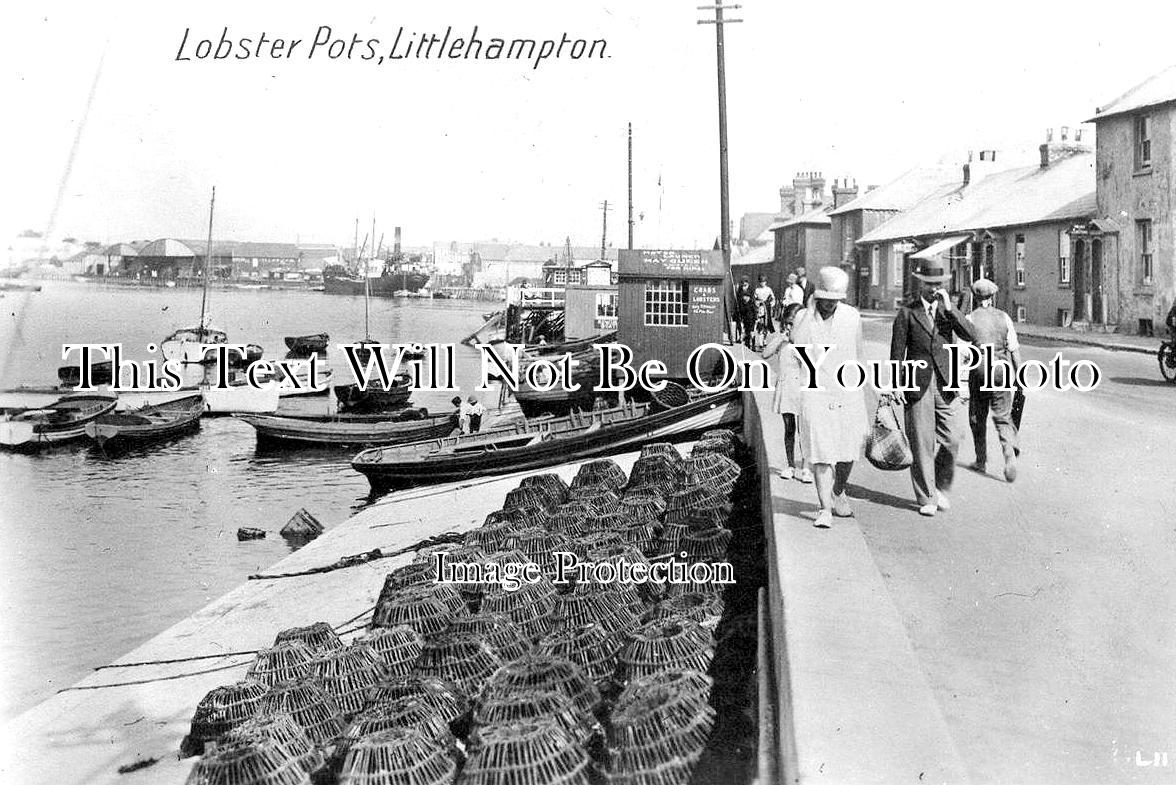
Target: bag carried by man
x: 887, y: 448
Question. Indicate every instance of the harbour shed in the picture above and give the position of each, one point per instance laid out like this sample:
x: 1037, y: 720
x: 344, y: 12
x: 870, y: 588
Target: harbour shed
x: 671, y: 301
x: 589, y: 309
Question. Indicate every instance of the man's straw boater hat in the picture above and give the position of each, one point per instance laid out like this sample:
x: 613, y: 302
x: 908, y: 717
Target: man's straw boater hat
x: 932, y: 271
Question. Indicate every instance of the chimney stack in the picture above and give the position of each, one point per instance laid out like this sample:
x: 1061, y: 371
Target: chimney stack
x: 1069, y: 142
x: 979, y: 166
x: 396, y: 235
x: 844, y: 191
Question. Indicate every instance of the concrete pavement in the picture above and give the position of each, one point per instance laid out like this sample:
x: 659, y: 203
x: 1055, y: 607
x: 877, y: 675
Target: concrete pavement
x: 1041, y: 615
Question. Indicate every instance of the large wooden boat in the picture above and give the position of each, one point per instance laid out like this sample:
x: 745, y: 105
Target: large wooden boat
x: 101, y: 372
x: 147, y: 424
x: 538, y: 444
x: 373, y: 397
x: 303, y: 345
x: 348, y: 429
x: 62, y: 421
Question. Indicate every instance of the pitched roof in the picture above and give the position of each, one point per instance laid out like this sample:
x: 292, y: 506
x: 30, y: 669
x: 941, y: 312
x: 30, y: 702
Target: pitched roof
x: 1158, y: 89
x: 1062, y: 191
x: 756, y: 254
x: 904, y: 191
x: 818, y: 216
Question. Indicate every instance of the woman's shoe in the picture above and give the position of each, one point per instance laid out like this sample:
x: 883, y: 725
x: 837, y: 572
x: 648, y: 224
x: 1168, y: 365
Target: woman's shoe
x: 928, y: 509
x: 824, y: 519
x: 805, y: 475
x: 787, y: 473
x: 841, y: 506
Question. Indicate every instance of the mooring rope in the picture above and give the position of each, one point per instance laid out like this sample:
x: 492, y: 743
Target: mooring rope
x: 174, y: 676
x: 364, y: 558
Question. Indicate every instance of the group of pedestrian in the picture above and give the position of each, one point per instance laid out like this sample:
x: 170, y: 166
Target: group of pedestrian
x: 826, y: 429
x: 757, y: 310
x: 469, y: 414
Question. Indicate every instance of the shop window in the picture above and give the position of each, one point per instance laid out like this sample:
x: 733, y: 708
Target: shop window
x: 666, y: 303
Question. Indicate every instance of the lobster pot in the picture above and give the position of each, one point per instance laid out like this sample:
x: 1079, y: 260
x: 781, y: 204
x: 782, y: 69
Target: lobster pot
x: 657, y: 731
x: 443, y: 696
x: 599, y: 498
x: 604, y: 471
x: 537, y: 752
x: 524, y: 497
x: 640, y: 534
x: 288, y: 661
x: 551, y: 483
x: 696, y: 500
x: 582, y: 546
x: 414, y: 606
x: 633, y: 595
x: 712, y: 447
x: 491, y: 537
x: 397, y: 756
x: 535, y: 515
x: 643, y: 504
x: 309, y: 705
x: 348, y: 675
x: 404, y: 712
x: 536, y: 705
x: 582, y: 606
x: 461, y: 657
x: 528, y: 606
x: 283, y: 731
x: 412, y: 574
x: 397, y: 647
x: 705, y: 545
x: 221, y: 710
x: 721, y: 434
x: 663, y: 644
x: 452, y: 551
x: 589, y: 646
x: 503, y: 636
x: 260, y: 761
x: 319, y: 637
x: 540, y: 546
x: 671, y: 539
x: 716, y: 471
x: 543, y: 672
x: 661, y: 450
x: 702, y: 608
x: 656, y: 471
x: 572, y: 518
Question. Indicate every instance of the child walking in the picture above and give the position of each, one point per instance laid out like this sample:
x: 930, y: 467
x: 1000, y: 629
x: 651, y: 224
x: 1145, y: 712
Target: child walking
x: 787, y: 398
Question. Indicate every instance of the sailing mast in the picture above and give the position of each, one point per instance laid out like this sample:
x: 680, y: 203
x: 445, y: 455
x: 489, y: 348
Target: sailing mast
x: 202, y: 332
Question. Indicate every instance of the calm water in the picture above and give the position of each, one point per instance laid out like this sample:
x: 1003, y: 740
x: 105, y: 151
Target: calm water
x: 101, y: 553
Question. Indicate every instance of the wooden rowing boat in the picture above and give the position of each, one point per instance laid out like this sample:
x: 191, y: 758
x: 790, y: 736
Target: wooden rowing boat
x: 373, y: 397
x: 61, y: 421
x: 301, y: 345
x: 538, y: 444
x: 147, y: 424
x: 345, y: 430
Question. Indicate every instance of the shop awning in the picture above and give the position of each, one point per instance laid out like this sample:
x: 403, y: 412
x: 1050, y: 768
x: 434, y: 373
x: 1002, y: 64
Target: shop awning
x: 940, y: 247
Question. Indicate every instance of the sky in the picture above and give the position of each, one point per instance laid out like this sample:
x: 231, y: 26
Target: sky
x: 472, y: 150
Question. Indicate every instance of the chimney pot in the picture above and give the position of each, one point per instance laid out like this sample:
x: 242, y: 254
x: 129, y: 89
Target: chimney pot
x: 1049, y: 132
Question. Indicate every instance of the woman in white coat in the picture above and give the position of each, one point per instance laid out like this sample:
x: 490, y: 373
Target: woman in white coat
x: 833, y: 421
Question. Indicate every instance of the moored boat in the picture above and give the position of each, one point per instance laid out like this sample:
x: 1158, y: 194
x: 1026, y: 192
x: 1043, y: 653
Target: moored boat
x: 373, y: 397
x: 307, y: 344
x: 147, y: 424
x: 100, y: 373
x: 237, y: 398
x: 349, y: 430
x: 61, y: 421
x: 538, y: 444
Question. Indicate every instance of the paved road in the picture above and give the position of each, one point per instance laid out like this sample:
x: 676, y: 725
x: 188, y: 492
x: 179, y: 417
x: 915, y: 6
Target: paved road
x: 1044, y: 612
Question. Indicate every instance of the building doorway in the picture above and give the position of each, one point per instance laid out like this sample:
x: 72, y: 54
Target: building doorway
x: 1080, y: 313
x: 1097, y: 308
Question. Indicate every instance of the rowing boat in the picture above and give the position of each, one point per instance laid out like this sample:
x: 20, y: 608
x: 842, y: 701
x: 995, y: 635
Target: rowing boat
x: 538, y: 444
x: 61, y: 421
x: 302, y: 345
x: 147, y: 424
x: 347, y: 430
x: 373, y: 397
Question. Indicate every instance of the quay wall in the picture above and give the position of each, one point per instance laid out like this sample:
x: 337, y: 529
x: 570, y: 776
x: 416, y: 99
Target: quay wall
x: 849, y: 702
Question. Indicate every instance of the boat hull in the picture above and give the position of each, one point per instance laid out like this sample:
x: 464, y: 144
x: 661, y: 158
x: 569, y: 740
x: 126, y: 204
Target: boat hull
x: 533, y: 450
x: 150, y: 424
x: 309, y: 433
x: 237, y: 399
x: 58, y: 423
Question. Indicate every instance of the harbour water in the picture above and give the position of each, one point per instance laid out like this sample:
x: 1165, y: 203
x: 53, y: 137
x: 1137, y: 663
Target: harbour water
x: 100, y: 553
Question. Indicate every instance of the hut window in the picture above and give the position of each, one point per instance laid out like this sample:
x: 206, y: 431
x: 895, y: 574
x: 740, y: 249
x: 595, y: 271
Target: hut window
x: 666, y: 303
x: 606, y: 304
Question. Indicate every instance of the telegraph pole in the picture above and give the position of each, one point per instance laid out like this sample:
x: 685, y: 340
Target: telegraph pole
x: 603, y: 229
x: 724, y: 205
x: 630, y: 186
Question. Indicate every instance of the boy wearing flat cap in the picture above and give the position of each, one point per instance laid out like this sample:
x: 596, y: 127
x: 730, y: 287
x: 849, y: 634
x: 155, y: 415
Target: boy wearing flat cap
x: 993, y: 327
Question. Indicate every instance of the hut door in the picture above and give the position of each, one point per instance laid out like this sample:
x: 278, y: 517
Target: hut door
x: 1097, y: 313
x: 1079, y: 281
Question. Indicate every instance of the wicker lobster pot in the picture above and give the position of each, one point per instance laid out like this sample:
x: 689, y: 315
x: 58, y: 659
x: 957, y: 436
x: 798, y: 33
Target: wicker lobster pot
x: 502, y: 634
x: 543, y: 672
x: 418, y: 607
x: 348, y: 675
x: 525, y: 753
x: 599, y: 498
x: 260, y: 761
x: 662, y: 644
x: 595, y: 540
x: 702, y: 608
x: 528, y: 607
x: 589, y: 646
x: 289, y: 660
x: 550, y: 482
x: 397, y: 756
x: 659, y: 723
x: 661, y: 450
x: 540, y: 545
x: 604, y: 471
x: 319, y: 637
x: 309, y: 705
x: 527, y: 496
x: 461, y: 657
x: 656, y: 471
x: 572, y: 518
x: 284, y: 731
x: 491, y: 537
x: 397, y: 647
x: 453, y: 552
x: 406, y: 712
x: 536, y: 705
x: 221, y: 710
x: 442, y: 696
x: 695, y: 500
x: 705, y: 544
x: 588, y: 605
x: 711, y: 469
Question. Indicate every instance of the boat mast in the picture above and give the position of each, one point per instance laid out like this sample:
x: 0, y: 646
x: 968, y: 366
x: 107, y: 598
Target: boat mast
x: 207, y: 258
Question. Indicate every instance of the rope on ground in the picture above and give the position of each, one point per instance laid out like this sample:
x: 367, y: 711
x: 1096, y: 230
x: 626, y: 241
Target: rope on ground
x: 173, y: 677
x: 364, y: 558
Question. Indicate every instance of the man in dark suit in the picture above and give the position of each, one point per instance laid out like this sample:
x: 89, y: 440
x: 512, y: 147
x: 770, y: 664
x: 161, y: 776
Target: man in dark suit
x: 921, y: 329
x: 805, y: 284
